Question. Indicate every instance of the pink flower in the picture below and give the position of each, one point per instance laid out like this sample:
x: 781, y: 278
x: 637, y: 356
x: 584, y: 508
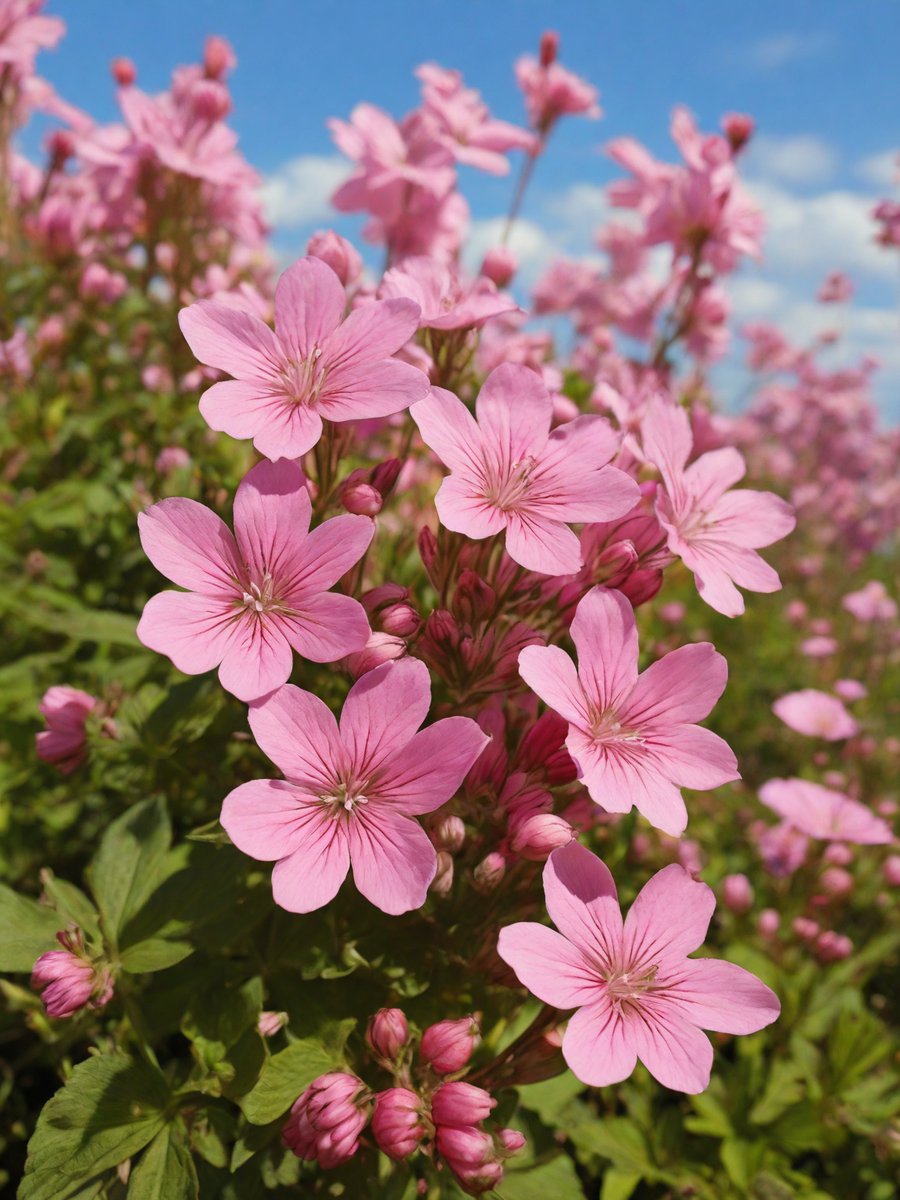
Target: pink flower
x: 871, y: 603
x: 637, y: 993
x: 64, y: 743
x: 509, y: 472
x: 255, y: 596
x: 815, y: 714
x: 462, y: 122
x: 820, y: 812
x: 551, y: 91
x: 314, y: 366
x: 633, y: 737
x: 716, y: 532
x: 446, y: 301
x: 352, y: 790
x: 836, y: 288
x: 326, y: 1120
x: 69, y: 980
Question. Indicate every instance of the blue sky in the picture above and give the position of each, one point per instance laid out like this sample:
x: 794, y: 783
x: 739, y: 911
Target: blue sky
x: 819, y: 77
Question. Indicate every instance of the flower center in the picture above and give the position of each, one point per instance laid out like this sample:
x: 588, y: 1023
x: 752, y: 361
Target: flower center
x: 344, y: 796
x: 508, y: 490
x: 606, y: 727
x: 625, y: 988
x: 304, y: 380
x: 261, y: 597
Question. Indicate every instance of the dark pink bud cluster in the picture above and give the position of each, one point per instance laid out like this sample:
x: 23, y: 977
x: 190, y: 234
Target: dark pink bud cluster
x: 326, y: 1121
x: 69, y: 979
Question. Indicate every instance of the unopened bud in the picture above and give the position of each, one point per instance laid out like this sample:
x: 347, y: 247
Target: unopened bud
x: 338, y: 253
x: 499, y: 265
x: 737, y: 893
x: 549, y: 47
x: 443, y: 876
x: 447, y: 1046
x: 489, y: 872
x: 459, y: 1103
x: 539, y: 835
x: 123, y: 71
x: 388, y: 1033
x: 397, y: 1122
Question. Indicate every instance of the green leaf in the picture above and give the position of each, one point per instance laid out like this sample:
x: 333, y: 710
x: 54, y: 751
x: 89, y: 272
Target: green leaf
x: 284, y: 1077
x: 166, y: 1169
x: 617, y: 1139
x: 619, y: 1184
x: 105, y: 628
x: 72, y: 904
x: 128, y: 866
x: 27, y: 930
x: 555, y: 1178
x: 111, y: 1107
x: 550, y: 1097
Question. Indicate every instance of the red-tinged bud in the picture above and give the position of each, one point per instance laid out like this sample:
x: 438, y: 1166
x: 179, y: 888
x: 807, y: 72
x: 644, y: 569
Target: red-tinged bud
x: 400, y: 619
x: 60, y: 146
x: 805, y: 928
x: 768, y: 921
x: 388, y: 1034
x: 474, y: 601
x: 338, y: 253
x: 447, y: 1046
x: 210, y: 100
x: 327, y: 1119
x: 442, y: 883
x: 511, y: 1140
x: 499, y: 265
x: 459, y: 1103
x: 539, y: 835
x: 489, y: 872
x: 380, y: 648
x: 448, y: 833
x: 397, y: 1122
x: 359, y: 497
x: 269, y: 1023
x: 543, y: 748
x: 832, y: 947
x: 218, y: 57
x: 891, y: 870
x: 68, y: 979
x: 549, y: 47
x: 123, y: 71
x: 428, y: 552
x: 386, y: 474
x: 836, y: 882
x: 737, y: 893
x: 738, y: 129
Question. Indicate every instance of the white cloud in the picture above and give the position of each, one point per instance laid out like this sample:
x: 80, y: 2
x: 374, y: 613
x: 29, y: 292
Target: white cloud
x: 802, y: 159
x: 881, y: 170
x: 298, y: 193
x: 780, y: 50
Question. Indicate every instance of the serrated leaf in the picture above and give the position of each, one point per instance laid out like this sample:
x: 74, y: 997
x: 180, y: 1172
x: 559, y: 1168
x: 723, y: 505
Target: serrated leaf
x: 166, y: 1169
x: 284, y: 1076
x: 27, y: 930
x: 128, y: 866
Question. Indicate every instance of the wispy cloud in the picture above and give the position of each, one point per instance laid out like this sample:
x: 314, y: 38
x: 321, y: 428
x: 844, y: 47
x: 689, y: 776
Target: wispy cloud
x: 802, y: 159
x: 781, y: 49
x: 882, y: 171
x: 298, y: 193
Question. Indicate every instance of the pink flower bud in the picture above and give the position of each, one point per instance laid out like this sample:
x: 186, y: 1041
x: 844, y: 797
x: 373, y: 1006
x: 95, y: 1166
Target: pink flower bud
x: 447, y: 1046
x: 388, y: 1033
x: 891, y: 870
x: 386, y: 474
x: 837, y: 854
x: 474, y: 600
x: 64, y: 742
x: 832, y: 947
x: 464, y: 1147
x: 539, y: 835
x: 327, y: 1119
x: 172, y: 458
x: 397, y: 1123
x: 836, y: 882
x: 123, y: 71
x: 449, y: 833
x: 851, y: 689
x: 359, y: 497
x: 401, y: 619
x: 68, y: 979
x: 218, y: 57
x: 737, y: 893
x: 738, y: 129
x: 489, y: 872
x: 673, y: 613
x: 338, y: 253
x: 549, y: 47
x: 511, y: 1140
x: 428, y: 551
x: 380, y: 648
x: 460, y: 1103
x: 442, y: 883
x: 499, y: 265
x: 805, y: 928
x: 269, y: 1023
x: 768, y: 921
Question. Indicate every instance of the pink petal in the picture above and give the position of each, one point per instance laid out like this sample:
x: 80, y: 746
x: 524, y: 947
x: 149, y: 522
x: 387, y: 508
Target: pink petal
x: 693, y: 757
x: 605, y: 635
x: 551, y: 674
x: 231, y: 340
x: 514, y: 411
x: 193, y: 631
x: 375, y: 389
x: 393, y: 858
x: 596, y: 1046
x: 619, y: 776
x: 428, y: 771
x: 327, y: 627
x: 667, y: 443
x: 267, y: 818
x: 710, y: 476
x: 679, y: 688
x: 241, y: 409
x: 582, y: 903
x: 311, y: 876
x: 383, y: 710
x: 549, y: 966
x: 668, y: 919
x: 753, y: 519
x: 192, y: 546
x: 329, y: 552
x: 722, y: 997
x: 542, y: 545
x: 309, y: 305
x: 373, y: 331
x: 258, y: 659
x: 288, y: 431
x: 675, y: 1052
x: 462, y: 507
x: 271, y: 517
x: 449, y: 429
x: 571, y: 479
x: 299, y: 734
